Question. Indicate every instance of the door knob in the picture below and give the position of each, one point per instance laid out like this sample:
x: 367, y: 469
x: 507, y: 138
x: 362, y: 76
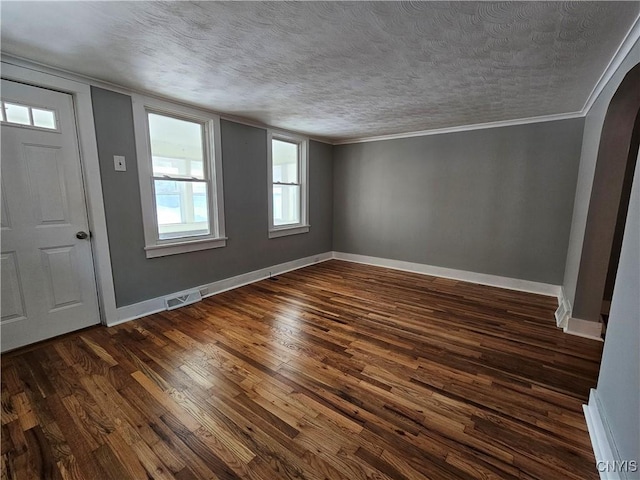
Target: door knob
x: 82, y: 235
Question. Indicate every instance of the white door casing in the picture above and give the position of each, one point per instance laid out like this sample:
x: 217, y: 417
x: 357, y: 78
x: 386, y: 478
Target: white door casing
x: 48, y: 281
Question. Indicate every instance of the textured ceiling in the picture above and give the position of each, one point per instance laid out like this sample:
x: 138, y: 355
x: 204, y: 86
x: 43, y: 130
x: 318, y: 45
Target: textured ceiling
x: 337, y: 70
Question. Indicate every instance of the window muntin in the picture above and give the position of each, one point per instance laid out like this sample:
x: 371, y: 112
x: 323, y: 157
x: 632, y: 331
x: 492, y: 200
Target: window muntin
x: 28, y: 116
x: 288, y: 159
x: 180, y: 174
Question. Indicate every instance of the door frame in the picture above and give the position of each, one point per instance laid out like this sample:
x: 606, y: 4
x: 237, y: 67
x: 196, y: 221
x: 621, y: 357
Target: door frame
x: 90, y: 166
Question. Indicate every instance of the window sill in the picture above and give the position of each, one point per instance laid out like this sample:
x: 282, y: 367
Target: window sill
x: 164, y: 249
x: 284, y: 231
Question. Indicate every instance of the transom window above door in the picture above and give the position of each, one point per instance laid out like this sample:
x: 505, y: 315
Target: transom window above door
x: 19, y: 114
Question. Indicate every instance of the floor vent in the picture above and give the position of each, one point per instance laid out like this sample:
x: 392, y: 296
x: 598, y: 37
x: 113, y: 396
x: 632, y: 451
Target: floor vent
x: 181, y: 300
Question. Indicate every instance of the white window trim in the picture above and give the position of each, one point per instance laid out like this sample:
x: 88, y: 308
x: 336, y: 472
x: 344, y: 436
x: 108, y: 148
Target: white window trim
x: 303, y: 226
x: 154, y: 247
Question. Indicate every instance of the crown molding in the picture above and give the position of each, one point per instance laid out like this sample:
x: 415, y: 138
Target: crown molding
x: 623, y: 50
x: 114, y: 87
x: 464, y: 128
x: 628, y: 41
x: 41, y: 67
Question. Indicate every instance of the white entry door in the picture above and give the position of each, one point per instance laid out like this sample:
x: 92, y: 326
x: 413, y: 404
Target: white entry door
x: 48, y: 283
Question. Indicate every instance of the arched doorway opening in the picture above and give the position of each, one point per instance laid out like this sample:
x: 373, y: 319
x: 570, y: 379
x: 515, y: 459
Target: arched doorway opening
x: 609, y: 202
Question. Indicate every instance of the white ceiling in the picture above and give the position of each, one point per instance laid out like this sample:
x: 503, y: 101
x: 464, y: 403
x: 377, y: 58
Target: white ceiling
x: 336, y: 70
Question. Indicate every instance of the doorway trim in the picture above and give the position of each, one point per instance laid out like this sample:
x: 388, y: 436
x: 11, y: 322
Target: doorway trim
x: 81, y: 94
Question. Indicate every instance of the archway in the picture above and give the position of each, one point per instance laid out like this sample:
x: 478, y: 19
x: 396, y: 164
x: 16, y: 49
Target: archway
x: 609, y: 200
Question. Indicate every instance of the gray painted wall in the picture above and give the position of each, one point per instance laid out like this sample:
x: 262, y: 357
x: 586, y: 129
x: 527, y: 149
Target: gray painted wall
x: 619, y: 379
x: 495, y: 201
x: 244, y: 158
x: 590, y: 144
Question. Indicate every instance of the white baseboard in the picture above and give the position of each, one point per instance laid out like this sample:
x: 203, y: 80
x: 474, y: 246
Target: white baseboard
x: 583, y: 328
x: 155, y: 305
x: 480, y: 278
x: 604, y: 448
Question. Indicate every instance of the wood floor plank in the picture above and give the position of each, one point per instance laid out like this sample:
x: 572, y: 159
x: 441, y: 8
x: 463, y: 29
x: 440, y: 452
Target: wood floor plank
x: 337, y: 371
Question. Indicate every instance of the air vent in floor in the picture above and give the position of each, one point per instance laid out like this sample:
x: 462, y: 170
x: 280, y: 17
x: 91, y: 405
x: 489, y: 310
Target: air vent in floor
x: 181, y: 300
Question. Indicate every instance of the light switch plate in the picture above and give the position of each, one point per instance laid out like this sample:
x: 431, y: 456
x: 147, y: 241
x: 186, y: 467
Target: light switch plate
x: 119, y: 163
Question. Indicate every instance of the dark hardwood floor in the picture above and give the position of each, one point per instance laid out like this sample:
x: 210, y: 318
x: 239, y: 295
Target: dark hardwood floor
x: 335, y: 371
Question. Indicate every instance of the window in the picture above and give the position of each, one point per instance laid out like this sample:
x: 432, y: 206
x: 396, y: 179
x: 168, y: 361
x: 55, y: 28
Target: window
x: 180, y: 172
x: 288, y: 191
x: 28, y: 116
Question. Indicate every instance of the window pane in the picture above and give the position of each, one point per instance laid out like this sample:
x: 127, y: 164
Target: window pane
x: 200, y: 208
x: 285, y: 161
x: 286, y: 204
x: 43, y: 118
x: 176, y: 146
x: 182, y: 209
x: 17, y: 114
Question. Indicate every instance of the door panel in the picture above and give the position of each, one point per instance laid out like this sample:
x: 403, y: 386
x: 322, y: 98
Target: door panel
x: 45, y: 175
x: 63, y: 284
x: 12, y: 295
x: 48, y: 283
x: 5, y: 220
